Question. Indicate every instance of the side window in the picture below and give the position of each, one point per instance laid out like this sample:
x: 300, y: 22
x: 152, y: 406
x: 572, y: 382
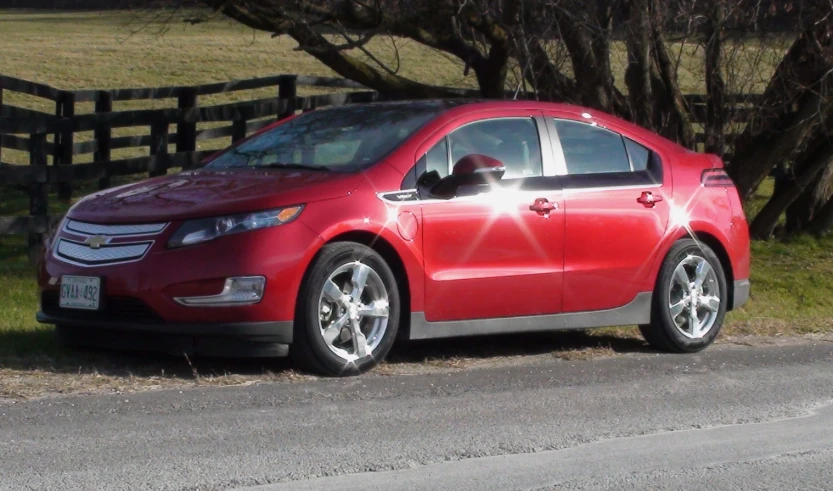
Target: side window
x: 589, y: 149
x: 640, y: 156
x: 436, y: 159
x: 513, y: 141
x: 430, y: 168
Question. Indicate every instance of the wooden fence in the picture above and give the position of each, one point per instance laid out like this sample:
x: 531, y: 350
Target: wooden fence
x: 29, y: 131
x: 243, y: 118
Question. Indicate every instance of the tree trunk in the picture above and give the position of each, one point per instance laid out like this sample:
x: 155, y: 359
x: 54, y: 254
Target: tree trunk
x: 778, y: 126
x: 800, y: 212
x: 638, y: 73
x: 670, y: 101
x: 600, y: 41
x: 754, y: 161
x: 543, y: 75
x: 588, y: 43
x: 715, y: 86
x: 491, y: 73
x: 823, y: 220
x: 811, y: 163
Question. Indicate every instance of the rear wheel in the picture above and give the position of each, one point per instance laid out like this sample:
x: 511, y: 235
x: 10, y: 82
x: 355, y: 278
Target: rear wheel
x: 689, y: 299
x: 348, y: 311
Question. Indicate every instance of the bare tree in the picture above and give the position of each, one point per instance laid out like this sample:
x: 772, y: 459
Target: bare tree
x: 777, y: 52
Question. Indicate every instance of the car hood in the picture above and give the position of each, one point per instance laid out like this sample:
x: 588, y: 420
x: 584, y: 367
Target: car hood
x: 204, y: 193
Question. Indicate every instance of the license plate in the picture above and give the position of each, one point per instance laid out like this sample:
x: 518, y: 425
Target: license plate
x: 80, y: 292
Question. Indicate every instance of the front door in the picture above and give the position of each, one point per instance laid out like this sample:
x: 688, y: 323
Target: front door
x: 497, y: 253
x: 616, y: 214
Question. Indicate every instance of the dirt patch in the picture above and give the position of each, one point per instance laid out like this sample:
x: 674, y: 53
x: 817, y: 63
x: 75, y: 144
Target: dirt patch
x: 109, y: 373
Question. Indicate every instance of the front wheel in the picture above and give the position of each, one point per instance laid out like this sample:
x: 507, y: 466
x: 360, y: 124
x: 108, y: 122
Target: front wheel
x: 690, y: 299
x: 348, y: 311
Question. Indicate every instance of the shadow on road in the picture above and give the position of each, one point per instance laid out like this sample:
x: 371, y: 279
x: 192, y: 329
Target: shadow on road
x: 568, y: 344
x: 49, y: 357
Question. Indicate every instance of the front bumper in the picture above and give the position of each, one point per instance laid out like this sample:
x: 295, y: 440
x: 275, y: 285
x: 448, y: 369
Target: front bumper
x: 240, y: 339
x: 139, y: 300
x: 154, y: 286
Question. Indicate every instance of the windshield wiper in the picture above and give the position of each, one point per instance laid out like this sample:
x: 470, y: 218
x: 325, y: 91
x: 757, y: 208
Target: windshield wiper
x: 291, y: 165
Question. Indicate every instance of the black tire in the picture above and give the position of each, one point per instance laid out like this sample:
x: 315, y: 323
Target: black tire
x: 308, y: 349
x: 662, y: 333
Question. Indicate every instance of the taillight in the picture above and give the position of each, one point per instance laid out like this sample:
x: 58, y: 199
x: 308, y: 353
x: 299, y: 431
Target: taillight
x: 716, y: 178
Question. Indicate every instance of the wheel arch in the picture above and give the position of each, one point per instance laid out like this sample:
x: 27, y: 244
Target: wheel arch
x: 721, y: 251
x: 723, y: 255
x: 391, y: 256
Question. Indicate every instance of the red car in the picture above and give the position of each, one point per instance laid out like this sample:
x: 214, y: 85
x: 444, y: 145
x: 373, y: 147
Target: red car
x: 331, y: 234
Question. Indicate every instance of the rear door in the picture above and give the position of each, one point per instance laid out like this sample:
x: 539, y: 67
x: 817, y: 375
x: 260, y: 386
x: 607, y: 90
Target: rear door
x: 615, y: 210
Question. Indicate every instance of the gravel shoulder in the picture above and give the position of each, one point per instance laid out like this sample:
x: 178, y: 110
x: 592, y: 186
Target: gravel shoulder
x: 95, y: 373
x: 268, y: 434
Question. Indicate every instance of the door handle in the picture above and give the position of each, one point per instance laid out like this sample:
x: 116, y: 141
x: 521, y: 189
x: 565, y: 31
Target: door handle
x: 649, y: 199
x: 543, y: 206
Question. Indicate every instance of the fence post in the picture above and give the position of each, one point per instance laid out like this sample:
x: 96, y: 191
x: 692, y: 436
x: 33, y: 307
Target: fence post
x: 287, y: 91
x: 159, y: 148
x: 1, y: 109
x: 64, y: 108
x: 39, y: 194
x: 103, y: 136
x: 186, y: 132
x: 238, y: 130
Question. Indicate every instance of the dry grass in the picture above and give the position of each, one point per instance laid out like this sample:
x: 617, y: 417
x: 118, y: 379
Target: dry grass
x: 119, y: 50
x: 99, y: 50
x: 793, y: 284
x: 102, y: 376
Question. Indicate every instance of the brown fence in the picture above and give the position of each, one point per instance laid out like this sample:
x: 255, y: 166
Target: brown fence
x: 30, y: 131
x: 243, y: 118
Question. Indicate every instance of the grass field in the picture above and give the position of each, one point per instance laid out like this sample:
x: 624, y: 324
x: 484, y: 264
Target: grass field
x: 792, y: 282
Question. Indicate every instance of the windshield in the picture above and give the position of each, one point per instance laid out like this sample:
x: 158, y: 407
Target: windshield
x: 345, y: 138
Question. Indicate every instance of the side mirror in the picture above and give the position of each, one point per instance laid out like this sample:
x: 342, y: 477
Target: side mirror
x: 469, y: 173
x: 477, y: 169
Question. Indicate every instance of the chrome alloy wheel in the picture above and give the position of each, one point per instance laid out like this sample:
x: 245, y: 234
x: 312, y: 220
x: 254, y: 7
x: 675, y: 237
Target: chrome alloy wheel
x: 353, y: 311
x: 694, y: 297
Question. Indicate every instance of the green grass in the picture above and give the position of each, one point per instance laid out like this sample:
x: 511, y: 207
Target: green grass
x: 792, y: 289
x: 792, y: 282
x: 19, y: 334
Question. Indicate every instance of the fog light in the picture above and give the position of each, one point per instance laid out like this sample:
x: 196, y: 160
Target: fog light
x: 242, y: 290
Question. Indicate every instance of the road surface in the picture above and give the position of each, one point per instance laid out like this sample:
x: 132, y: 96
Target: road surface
x: 731, y: 417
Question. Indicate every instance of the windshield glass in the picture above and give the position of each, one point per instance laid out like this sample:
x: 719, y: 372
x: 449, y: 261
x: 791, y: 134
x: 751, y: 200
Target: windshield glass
x: 345, y: 138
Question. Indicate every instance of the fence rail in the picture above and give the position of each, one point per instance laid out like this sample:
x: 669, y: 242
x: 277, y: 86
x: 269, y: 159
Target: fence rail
x: 28, y: 130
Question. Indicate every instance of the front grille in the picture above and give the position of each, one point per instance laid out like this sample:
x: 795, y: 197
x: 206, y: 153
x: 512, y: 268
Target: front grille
x: 114, y: 230
x: 95, y: 244
x: 105, y: 254
x: 115, y: 309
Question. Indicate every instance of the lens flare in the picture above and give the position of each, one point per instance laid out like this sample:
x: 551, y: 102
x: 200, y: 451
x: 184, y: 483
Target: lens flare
x: 507, y: 203
x: 503, y: 201
x: 680, y: 216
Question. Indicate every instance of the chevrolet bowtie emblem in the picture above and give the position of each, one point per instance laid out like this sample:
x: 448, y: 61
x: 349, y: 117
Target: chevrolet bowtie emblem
x: 96, y: 241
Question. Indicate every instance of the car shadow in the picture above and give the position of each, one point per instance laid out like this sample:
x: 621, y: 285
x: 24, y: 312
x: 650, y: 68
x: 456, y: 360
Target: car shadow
x: 37, y: 351
x: 564, y: 344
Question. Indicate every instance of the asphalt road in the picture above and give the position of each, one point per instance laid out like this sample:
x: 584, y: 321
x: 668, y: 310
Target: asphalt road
x: 730, y: 418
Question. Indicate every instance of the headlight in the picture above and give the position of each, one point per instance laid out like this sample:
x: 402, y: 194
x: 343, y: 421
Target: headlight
x: 52, y: 232
x: 205, y: 229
